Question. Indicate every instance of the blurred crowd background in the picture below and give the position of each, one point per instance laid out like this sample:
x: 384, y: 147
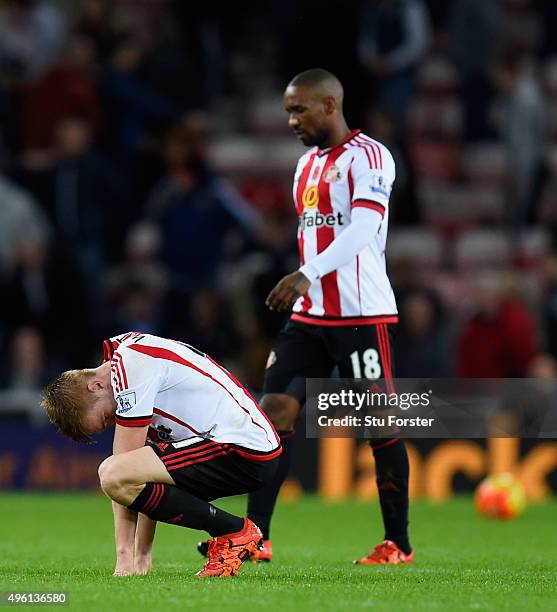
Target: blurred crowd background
x: 146, y: 169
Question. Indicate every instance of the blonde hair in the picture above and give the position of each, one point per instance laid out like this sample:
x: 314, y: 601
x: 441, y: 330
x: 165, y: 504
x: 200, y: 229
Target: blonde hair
x: 64, y: 400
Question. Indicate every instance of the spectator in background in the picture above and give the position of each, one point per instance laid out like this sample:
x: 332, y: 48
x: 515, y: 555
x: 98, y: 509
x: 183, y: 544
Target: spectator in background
x: 136, y: 303
x: 207, y: 323
x: 277, y: 257
x: 523, y: 133
x: 499, y: 339
x: 96, y: 23
x: 26, y: 367
x: 67, y: 89
x: 529, y: 408
x: 544, y: 367
x: 423, y: 347
x: 473, y: 39
x: 12, y: 81
x: 131, y: 104
x: 550, y: 303
x: 136, y: 289
x: 20, y: 217
x: 394, y: 38
x: 23, y: 376
x: 257, y: 273
x: 83, y: 197
x: 46, y: 293
x: 32, y: 34
x: 200, y: 216
x: 186, y: 50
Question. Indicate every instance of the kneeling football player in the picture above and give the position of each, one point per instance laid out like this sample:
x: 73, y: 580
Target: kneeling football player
x: 207, y: 438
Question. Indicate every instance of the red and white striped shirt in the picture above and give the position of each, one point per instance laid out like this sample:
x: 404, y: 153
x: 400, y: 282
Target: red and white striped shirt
x: 181, y: 393
x: 328, y: 185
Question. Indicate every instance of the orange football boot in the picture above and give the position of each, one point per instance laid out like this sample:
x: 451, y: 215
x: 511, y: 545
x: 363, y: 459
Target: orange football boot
x: 386, y: 553
x: 264, y: 553
x: 227, y: 552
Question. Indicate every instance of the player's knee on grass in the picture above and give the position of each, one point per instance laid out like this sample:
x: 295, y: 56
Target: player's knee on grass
x: 281, y: 409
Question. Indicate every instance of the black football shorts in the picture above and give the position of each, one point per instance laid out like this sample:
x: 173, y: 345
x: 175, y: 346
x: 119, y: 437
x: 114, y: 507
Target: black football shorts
x: 209, y: 470
x: 313, y: 351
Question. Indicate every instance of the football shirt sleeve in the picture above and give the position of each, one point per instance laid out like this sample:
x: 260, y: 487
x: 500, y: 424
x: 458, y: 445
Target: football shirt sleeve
x: 373, y: 180
x: 136, y: 380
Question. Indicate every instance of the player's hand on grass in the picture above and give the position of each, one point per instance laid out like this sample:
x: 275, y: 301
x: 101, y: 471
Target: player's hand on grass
x: 124, y: 566
x: 143, y: 564
x: 287, y: 291
x: 124, y: 571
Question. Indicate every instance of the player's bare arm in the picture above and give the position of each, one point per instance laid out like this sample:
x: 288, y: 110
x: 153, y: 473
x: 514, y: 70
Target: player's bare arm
x: 144, y: 537
x: 287, y: 291
x: 123, y: 476
x: 125, y: 520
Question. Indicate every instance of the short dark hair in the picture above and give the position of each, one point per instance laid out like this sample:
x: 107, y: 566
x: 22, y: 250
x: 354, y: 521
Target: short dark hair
x: 314, y: 76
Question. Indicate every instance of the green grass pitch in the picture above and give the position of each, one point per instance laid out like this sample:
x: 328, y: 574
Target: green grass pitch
x: 463, y: 562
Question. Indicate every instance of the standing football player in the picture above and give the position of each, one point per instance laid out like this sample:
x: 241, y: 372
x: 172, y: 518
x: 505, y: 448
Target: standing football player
x: 344, y: 309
